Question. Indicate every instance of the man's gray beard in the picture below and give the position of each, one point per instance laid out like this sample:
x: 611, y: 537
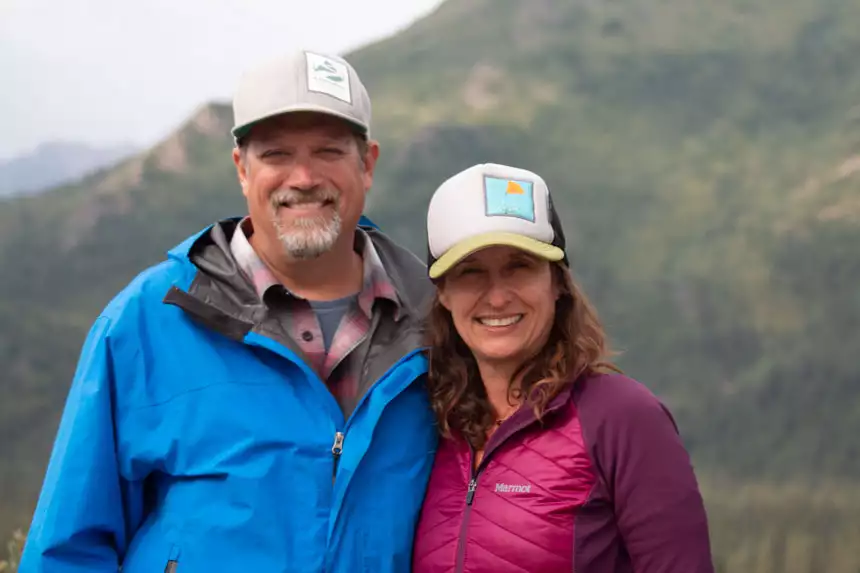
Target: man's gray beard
x: 308, y: 237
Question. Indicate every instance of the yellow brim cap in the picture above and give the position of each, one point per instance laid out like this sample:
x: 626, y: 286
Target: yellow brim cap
x: 473, y: 244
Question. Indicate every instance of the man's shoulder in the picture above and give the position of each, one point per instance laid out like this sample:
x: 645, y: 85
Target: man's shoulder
x: 149, y: 288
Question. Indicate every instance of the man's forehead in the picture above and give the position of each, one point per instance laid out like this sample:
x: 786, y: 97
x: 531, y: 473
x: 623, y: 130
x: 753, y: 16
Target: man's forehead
x: 301, y: 124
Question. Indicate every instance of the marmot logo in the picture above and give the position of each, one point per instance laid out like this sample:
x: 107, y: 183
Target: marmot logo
x: 506, y: 488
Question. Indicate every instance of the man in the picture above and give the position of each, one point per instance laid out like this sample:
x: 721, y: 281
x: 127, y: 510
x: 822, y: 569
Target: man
x: 256, y: 402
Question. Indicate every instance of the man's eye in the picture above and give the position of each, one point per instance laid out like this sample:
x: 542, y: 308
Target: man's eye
x: 332, y: 151
x: 274, y: 153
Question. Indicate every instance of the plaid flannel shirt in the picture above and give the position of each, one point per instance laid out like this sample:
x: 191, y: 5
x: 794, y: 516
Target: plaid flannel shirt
x: 340, y: 368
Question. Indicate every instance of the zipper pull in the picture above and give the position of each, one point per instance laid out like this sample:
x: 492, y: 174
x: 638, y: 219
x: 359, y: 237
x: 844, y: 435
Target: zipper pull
x: 470, y: 495
x: 336, y: 450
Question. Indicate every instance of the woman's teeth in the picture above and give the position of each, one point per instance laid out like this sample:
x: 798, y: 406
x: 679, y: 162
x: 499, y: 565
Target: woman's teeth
x: 505, y: 321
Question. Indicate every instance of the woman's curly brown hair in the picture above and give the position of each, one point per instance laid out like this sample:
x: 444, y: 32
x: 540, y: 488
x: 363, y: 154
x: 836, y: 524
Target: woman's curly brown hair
x: 576, y: 345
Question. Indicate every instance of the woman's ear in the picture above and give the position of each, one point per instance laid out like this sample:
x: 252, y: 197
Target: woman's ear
x: 443, y: 296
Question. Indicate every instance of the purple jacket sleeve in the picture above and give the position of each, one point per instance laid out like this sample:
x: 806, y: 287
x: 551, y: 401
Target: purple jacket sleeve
x: 647, y: 475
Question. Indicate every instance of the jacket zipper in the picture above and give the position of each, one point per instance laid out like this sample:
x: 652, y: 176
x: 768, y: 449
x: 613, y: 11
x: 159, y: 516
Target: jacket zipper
x: 470, y: 493
x: 336, y: 451
x: 470, y: 498
x: 337, y: 447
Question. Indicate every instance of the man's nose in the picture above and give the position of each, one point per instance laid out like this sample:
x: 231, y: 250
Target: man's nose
x: 302, y: 176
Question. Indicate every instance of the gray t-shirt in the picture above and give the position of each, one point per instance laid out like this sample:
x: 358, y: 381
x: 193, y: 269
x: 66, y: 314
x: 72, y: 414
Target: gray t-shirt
x: 329, y: 313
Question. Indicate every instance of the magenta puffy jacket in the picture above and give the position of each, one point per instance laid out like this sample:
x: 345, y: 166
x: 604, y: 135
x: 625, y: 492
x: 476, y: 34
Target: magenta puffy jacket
x: 603, y: 485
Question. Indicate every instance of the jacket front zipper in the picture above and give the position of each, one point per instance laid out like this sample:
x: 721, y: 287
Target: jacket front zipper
x: 470, y: 493
x: 470, y: 497
x: 336, y: 451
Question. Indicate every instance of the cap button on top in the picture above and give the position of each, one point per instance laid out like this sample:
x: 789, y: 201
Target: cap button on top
x: 307, y: 336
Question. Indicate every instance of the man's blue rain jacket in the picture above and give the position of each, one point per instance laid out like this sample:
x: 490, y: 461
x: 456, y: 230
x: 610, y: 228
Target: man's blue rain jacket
x: 196, y: 439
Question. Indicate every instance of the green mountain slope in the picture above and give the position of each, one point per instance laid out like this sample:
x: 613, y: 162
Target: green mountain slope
x: 705, y: 157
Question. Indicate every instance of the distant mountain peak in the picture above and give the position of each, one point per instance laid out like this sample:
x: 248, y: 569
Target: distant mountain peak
x: 53, y: 163
x: 210, y: 120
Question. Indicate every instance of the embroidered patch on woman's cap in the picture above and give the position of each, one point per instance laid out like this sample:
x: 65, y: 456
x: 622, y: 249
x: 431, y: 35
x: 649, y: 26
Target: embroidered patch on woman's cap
x: 509, y: 198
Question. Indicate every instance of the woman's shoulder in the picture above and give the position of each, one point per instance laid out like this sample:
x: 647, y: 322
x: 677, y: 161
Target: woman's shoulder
x: 616, y: 399
x: 614, y: 384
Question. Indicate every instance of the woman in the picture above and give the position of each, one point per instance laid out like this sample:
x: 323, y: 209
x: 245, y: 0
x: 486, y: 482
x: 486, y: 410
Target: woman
x: 550, y: 460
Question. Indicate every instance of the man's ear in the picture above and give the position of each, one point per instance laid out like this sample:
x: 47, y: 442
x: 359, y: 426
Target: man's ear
x: 239, y: 160
x: 369, y: 162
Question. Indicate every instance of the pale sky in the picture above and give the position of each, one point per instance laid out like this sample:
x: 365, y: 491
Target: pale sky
x: 110, y: 71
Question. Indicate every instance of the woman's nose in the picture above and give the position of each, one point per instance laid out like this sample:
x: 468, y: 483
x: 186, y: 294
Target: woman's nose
x: 498, y: 294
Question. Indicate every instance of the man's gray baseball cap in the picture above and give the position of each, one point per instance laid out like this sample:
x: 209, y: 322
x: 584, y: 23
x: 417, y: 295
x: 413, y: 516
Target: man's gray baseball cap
x: 301, y: 81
